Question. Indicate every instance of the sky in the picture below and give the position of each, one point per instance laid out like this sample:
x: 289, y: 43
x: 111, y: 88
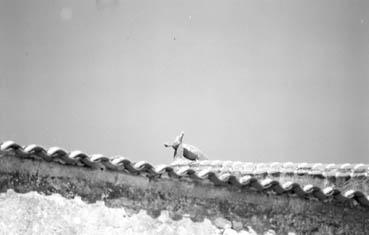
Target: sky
x: 246, y: 80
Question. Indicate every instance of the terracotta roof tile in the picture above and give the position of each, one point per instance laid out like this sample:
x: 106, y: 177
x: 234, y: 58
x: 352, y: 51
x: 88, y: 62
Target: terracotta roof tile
x: 229, y: 173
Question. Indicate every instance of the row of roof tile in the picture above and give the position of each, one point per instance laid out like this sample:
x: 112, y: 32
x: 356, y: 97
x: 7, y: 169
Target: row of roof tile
x: 97, y: 161
x: 314, y: 169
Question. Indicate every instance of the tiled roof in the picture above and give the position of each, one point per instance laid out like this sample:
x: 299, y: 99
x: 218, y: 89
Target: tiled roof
x: 274, y: 168
x: 241, y: 175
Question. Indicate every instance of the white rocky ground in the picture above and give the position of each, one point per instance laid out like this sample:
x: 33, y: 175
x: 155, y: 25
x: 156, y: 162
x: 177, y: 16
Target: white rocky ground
x: 32, y: 213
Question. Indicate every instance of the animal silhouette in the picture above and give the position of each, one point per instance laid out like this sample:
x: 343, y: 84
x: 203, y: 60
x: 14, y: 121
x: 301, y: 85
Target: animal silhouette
x: 187, y: 151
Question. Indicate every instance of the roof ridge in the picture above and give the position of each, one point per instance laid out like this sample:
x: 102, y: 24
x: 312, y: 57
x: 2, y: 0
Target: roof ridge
x: 193, y: 171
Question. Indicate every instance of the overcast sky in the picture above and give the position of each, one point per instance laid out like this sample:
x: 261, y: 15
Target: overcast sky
x: 245, y: 80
